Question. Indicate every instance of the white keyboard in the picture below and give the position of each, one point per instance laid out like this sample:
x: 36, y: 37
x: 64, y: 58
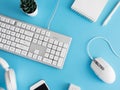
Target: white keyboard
x: 33, y: 42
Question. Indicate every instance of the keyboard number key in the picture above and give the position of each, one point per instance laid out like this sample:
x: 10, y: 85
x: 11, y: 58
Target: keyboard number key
x: 54, y: 63
x: 46, y: 55
x: 56, y: 58
x: 36, y: 51
x: 39, y: 58
x: 35, y: 56
x: 30, y: 54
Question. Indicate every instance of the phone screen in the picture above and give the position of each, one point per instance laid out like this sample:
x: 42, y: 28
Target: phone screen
x: 42, y: 87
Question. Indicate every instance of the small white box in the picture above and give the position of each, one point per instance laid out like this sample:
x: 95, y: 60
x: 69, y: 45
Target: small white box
x: 74, y: 87
x: 89, y: 8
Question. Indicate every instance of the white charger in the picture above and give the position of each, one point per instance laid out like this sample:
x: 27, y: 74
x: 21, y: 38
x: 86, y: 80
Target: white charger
x: 89, y: 8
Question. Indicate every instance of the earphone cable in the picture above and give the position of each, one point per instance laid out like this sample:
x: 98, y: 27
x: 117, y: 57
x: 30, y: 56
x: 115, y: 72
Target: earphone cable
x: 107, y: 41
x: 53, y: 15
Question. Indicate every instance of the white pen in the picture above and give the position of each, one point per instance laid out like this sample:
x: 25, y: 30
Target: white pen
x: 111, y: 14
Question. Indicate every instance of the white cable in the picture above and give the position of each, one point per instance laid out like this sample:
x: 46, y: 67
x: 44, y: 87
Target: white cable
x: 52, y: 17
x: 109, y: 44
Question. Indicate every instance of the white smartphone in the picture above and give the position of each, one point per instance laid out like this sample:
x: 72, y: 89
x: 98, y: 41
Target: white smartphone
x: 41, y: 85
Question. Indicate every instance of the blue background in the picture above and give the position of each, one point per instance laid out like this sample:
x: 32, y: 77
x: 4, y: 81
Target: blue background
x: 77, y: 66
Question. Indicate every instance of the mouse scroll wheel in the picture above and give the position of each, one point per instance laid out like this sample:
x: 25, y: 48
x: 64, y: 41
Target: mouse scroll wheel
x: 99, y: 65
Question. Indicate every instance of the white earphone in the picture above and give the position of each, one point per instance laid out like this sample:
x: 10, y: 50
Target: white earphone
x: 9, y: 76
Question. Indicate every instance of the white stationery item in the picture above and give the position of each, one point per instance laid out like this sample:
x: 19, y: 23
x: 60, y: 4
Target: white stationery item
x: 89, y: 8
x: 74, y: 87
x: 111, y: 14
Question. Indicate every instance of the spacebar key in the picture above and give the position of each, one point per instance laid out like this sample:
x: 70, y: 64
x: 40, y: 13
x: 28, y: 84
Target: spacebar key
x: 22, y: 47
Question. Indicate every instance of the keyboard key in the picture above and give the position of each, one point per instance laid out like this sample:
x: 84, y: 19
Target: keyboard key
x: 18, y: 51
x: 57, y: 54
x: 39, y: 42
x: 28, y: 33
x: 47, y: 55
x: 36, y: 51
x: 49, y: 45
x: 12, y: 49
x: 25, y: 42
x: 65, y: 45
x: 21, y: 31
x: 54, y: 47
x: 35, y: 56
x: 54, y: 63
x: 28, y: 38
x: 36, y: 36
x: 12, y: 22
x: 63, y: 52
x: 17, y: 29
x: 1, y: 45
x: 56, y: 42
x: 59, y: 49
x: 38, y: 30
x: 30, y: 54
x: 60, y: 44
x: 51, y: 56
x: 53, y: 52
x: 22, y: 47
x: 39, y: 58
x: 51, y: 41
x: 43, y: 32
x: 18, y: 24
x: 44, y: 44
x: 56, y: 58
x: 47, y: 33
x: 28, y: 27
x: 23, y: 25
x: 24, y: 52
x: 60, y: 62
x: 33, y: 28
x: 6, y: 47
x: 47, y: 60
x: 48, y: 50
x: 35, y: 41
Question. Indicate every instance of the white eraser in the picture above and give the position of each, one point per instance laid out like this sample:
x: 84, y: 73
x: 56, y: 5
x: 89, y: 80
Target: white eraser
x: 74, y: 87
x: 89, y: 8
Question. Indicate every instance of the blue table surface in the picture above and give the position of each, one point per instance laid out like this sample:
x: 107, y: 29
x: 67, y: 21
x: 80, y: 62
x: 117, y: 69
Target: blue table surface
x: 77, y: 65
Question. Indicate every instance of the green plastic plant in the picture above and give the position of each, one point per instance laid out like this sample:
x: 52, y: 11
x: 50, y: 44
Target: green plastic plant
x: 28, y: 6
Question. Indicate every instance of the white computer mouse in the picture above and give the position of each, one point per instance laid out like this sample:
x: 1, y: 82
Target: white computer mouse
x: 103, y: 70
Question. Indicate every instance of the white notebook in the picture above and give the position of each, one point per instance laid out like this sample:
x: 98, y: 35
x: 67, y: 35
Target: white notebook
x: 89, y: 8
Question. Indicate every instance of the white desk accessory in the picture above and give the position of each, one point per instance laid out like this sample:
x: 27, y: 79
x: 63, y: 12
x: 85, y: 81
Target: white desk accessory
x: 41, y: 85
x: 10, y: 76
x: 74, y: 87
x: 89, y: 8
x: 102, y: 68
x: 111, y: 14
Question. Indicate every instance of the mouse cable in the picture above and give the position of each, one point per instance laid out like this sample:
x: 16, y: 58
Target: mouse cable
x: 52, y: 17
x: 107, y: 41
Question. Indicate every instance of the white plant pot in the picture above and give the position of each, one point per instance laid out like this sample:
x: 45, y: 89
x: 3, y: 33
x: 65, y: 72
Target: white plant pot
x: 34, y: 13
